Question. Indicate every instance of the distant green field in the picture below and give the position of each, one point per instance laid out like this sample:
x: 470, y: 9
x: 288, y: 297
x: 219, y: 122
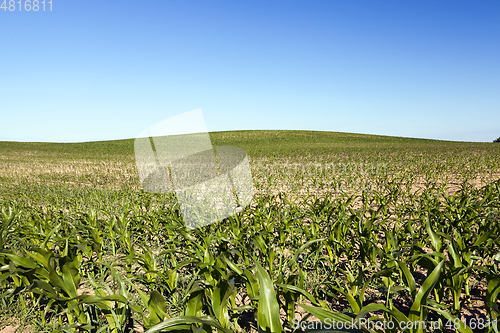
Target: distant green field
x: 257, y: 143
x: 341, y: 226
x: 111, y: 163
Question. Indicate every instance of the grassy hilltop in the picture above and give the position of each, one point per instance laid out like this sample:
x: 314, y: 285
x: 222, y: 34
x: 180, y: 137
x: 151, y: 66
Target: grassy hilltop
x: 112, y: 162
x: 257, y: 143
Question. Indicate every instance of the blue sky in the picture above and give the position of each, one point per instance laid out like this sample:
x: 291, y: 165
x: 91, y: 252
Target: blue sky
x: 100, y: 70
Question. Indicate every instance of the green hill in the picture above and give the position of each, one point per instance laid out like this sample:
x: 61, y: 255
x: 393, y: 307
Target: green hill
x: 257, y: 144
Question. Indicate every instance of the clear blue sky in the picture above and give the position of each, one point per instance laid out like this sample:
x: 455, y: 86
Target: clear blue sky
x: 98, y: 70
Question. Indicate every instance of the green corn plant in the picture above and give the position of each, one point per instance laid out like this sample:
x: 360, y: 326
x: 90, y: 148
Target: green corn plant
x: 112, y: 234
x: 455, y: 278
x: 7, y: 229
x: 391, y: 251
x: 215, y: 291
x: 491, y: 304
x: 220, y: 301
x: 188, y: 324
x: 156, y: 306
x: 114, y: 305
x: 195, y: 300
x: 323, y: 314
x: 268, y: 319
x: 56, y: 277
x: 149, y: 265
x: 353, y: 289
x: 419, y: 308
x: 125, y: 233
x: 292, y: 286
x: 199, y: 300
x: 95, y: 232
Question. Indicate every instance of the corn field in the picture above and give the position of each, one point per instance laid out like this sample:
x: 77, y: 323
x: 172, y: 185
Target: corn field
x: 342, y: 227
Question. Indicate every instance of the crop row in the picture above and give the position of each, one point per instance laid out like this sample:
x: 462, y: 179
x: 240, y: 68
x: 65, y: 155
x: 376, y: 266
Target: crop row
x: 122, y: 260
